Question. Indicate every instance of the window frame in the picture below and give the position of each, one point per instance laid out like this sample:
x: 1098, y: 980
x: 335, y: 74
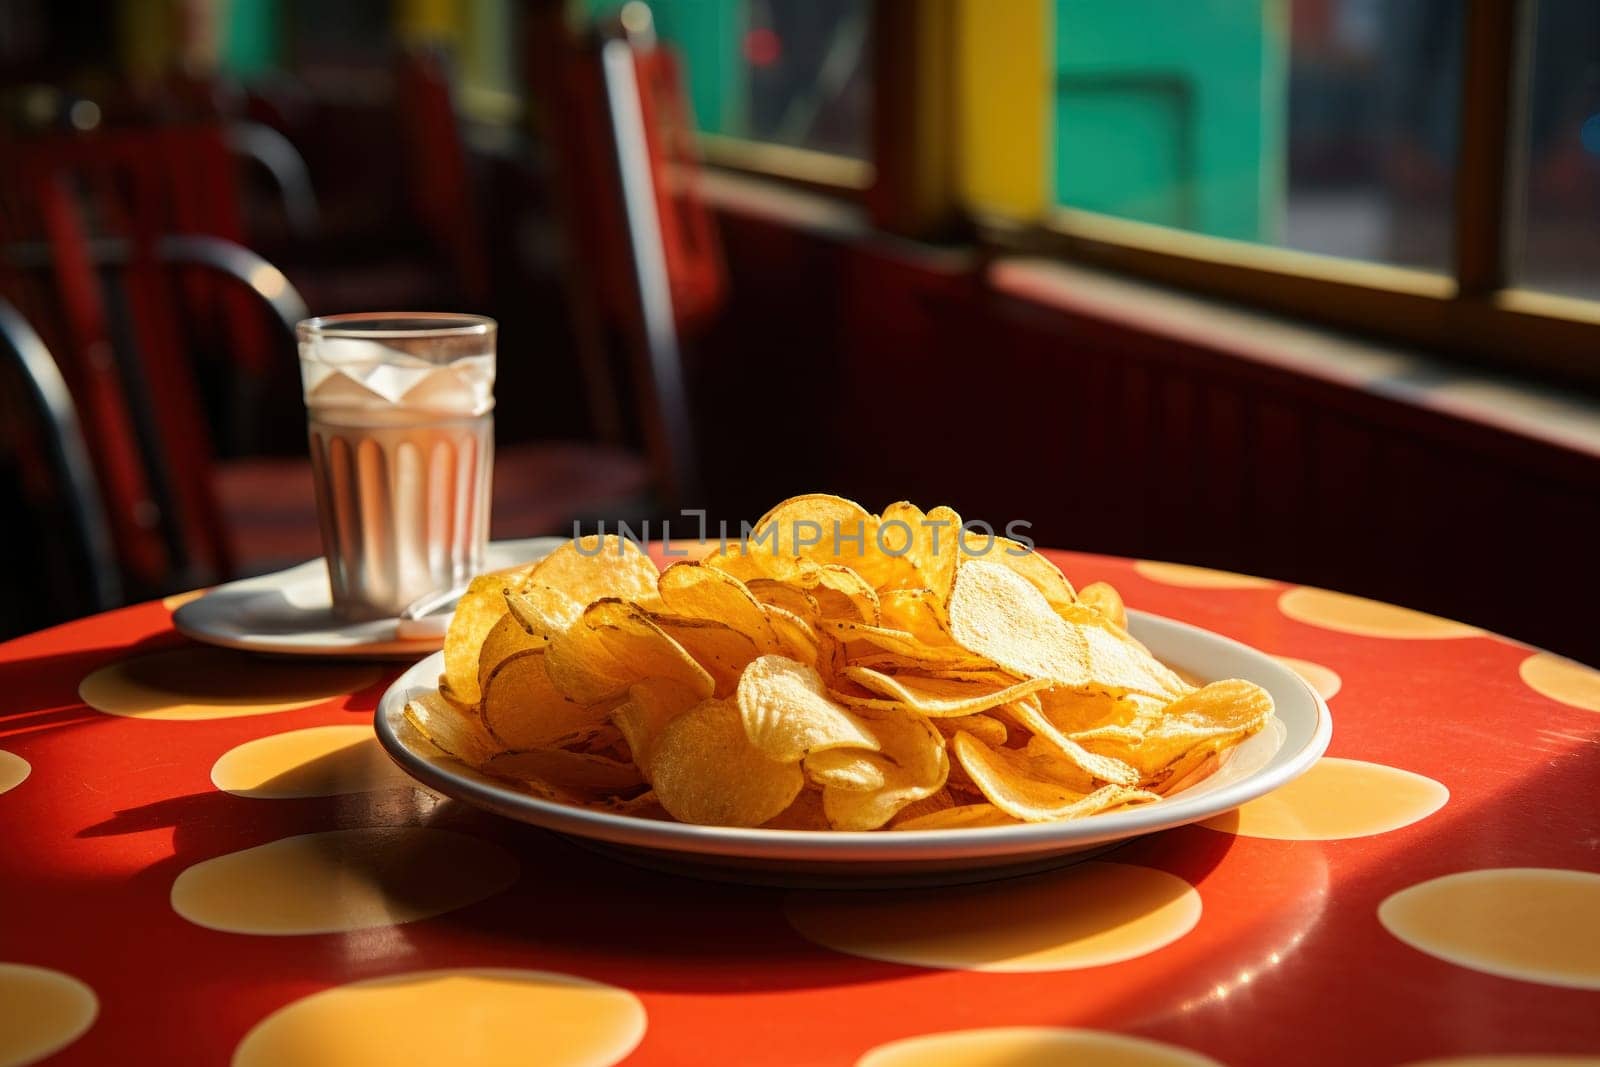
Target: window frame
x: 912, y: 188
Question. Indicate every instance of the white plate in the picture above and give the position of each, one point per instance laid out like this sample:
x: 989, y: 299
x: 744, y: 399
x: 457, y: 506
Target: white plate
x: 1282, y: 752
x: 291, y: 612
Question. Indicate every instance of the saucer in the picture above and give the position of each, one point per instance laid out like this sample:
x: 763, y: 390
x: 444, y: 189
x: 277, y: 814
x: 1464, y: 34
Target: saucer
x: 291, y: 612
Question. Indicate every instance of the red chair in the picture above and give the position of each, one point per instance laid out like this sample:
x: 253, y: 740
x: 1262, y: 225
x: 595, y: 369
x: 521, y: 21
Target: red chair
x: 437, y: 179
x: 82, y: 254
x: 61, y: 563
x: 644, y: 255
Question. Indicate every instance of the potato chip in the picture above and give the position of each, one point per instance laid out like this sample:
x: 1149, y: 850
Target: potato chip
x: 720, y: 649
x: 576, y: 772
x: 451, y: 731
x: 1196, y: 765
x: 937, y: 697
x: 958, y: 817
x: 791, y: 598
x: 1039, y: 572
x: 814, y: 527
x: 650, y: 706
x: 902, y: 531
x: 960, y: 665
x: 505, y: 639
x: 613, y: 646
x: 1075, y: 710
x: 542, y: 611
x: 841, y: 593
x: 804, y: 814
x: 1226, y: 711
x: 986, y: 728
x: 997, y: 614
x: 918, y: 769
x: 1105, y: 599
x: 916, y: 612
x: 691, y: 590
x: 1027, y: 714
x: 939, y: 800
x: 991, y: 675
x: 937, y: 552
x: 1028, y: 787
x: 644, y: 806
x: 796, y: 637
x: 738, y: 560
x: 788, y: 716
x: 593, y: 568
x: 705, y: 770
x: 522, y: 709
x: 903, y: 644
x: 847, y: 768
x: 480, y: 608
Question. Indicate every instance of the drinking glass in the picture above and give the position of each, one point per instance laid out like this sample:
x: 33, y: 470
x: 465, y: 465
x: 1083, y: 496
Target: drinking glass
x: 400, y: 414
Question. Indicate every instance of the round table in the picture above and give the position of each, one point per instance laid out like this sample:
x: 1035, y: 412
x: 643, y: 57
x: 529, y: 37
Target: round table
x: 205, y: 858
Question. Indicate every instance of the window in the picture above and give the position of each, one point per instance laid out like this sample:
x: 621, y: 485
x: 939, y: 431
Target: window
x: 1557, y: 230
x: 1426, y: 171
x: 1326, y: 126
x: 774, y: 71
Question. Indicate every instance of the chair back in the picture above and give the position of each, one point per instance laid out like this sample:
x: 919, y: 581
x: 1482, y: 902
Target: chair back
x: 644, y: 254
x: 61, y: 560
x: 119, y: 337
x: 86, y: 251
x: 438, y: 182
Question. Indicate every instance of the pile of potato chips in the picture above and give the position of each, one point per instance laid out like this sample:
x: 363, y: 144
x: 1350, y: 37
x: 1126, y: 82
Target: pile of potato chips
x: 896, y: 676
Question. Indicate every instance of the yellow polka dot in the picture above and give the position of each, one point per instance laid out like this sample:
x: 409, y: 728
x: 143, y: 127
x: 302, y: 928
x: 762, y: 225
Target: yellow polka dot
x: 1197, y: 577
x: 1327, y: 683
x: 1336, y: 799
x: 1368, y: 618
x: 1563, y: 680
x: 322, y: 761
x: 13, y: 770
x: 178, y: 600
x: 490, y: 1017
x: 341, y: 880
x: 1031, y: 1046
x: 214, y: 683
x: 1509, y: 1061
x: 1533, y: 923
x: 41, y: 1011
x: 1082, y: 916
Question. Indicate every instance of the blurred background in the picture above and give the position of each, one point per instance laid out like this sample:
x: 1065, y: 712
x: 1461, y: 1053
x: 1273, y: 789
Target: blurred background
x: 1294, y: 287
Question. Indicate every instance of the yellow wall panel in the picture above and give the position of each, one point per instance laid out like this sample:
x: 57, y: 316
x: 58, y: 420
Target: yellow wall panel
x: 1004, y: 92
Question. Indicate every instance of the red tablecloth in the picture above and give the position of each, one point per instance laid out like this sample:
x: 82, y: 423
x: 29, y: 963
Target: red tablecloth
x: 1450, y: 910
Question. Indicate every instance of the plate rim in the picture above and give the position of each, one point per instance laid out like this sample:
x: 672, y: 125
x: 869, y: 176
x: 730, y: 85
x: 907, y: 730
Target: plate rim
x: 843, y: 846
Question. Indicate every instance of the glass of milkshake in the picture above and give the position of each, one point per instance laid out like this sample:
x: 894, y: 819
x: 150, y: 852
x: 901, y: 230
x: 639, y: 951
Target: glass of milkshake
x: 400, y: 411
